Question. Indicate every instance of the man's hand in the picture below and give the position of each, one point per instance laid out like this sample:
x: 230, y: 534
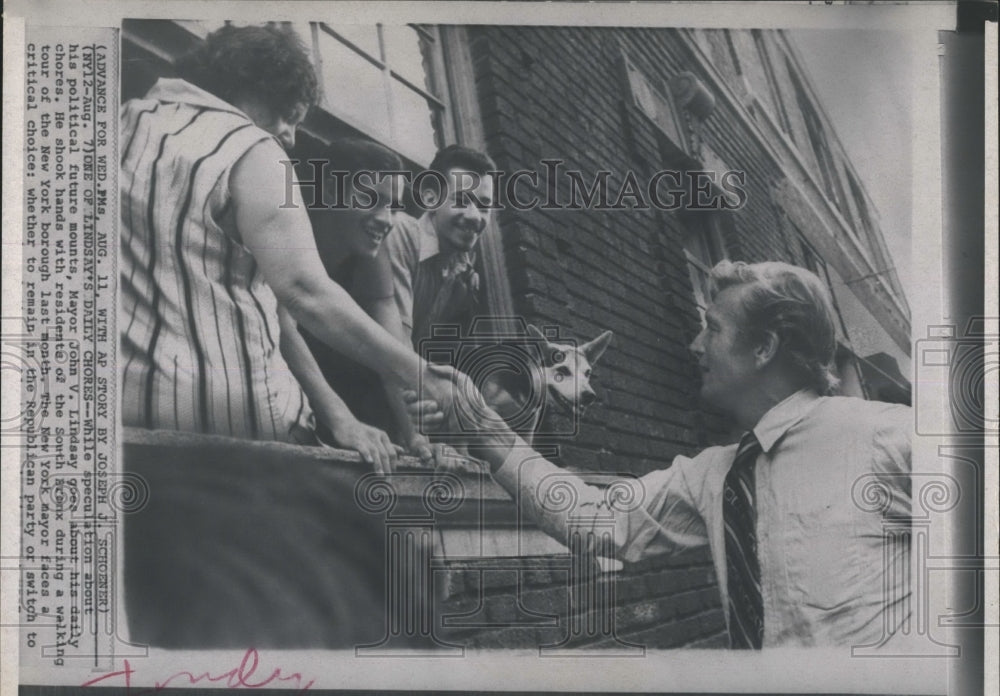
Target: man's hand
x: 435, y: 454
x: 454, y: 396
x: 372, y: 444
x: 424, y: 412
x: 494, y: 440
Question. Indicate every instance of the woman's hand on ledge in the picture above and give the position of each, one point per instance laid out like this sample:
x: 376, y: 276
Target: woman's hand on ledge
x: 372, y: 444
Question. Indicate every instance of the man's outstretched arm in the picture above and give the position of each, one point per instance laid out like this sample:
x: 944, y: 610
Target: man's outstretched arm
x: 627, y: 518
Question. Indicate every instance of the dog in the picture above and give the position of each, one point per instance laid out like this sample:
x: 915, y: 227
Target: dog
x: 561, y: 379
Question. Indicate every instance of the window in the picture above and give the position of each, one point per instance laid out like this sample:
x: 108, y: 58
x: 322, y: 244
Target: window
x: 811, y: 259
x: 864, y: 216
x: 777, y: 104
x: 815, y: 263
x: 385, y: 80
x: 733, y: 55
x: 817, y: 138
x: 390, y: 83
x: 704, y: 247
x: 652, y: 100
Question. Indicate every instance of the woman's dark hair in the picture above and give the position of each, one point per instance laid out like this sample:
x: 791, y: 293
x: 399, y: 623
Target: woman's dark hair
x: 354, y: 155
x: 268, y: 63
x: 346, y: 158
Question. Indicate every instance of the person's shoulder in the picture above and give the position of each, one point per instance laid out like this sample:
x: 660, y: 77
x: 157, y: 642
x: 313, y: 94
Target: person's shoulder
x: 864, y: 413
x: 252, y: 179
x: 715, y: 455
x: 368, y: 278
x: 260, y: 153
x: 404, y: 240
x: 139, y: 104
x: 407, y: 226
x: 862, y: 407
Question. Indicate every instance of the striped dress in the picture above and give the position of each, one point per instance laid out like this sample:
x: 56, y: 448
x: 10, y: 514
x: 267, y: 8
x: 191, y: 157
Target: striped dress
x: 199, y: 324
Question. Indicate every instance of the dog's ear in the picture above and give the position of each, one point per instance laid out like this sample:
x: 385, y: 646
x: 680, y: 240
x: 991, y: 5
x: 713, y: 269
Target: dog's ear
x: 534, y: 332
x: 551, y: 353
x: 595, y: 349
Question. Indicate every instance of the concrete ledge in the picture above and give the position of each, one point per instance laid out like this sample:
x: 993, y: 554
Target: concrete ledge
x: 409, y: 481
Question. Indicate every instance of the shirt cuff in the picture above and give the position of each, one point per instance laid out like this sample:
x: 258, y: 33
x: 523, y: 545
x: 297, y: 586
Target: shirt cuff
x: 511, y: 472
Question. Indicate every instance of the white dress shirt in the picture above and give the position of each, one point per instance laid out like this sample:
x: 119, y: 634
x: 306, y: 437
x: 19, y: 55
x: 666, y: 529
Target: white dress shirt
x: 832, y: 479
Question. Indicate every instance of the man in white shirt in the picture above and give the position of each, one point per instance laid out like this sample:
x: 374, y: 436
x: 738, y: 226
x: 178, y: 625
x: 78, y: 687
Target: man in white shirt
x: 796, y: 515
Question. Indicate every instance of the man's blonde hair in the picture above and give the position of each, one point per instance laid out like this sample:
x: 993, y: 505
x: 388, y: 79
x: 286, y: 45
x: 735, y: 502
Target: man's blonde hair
x: 795, y: 305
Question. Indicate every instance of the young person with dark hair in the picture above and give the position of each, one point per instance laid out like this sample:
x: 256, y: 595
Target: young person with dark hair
x: 434, y: 257
x: 350, y: 229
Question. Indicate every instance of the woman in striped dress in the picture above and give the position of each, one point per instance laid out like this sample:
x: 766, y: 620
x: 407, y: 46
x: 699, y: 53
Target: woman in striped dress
x: 216, y: 266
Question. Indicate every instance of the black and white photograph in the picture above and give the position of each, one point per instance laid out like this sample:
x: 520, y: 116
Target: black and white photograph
x: 501, y: 352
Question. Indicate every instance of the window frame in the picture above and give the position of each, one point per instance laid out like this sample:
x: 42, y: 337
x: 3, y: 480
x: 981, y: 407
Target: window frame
x: 704, y: 233
x: 656, y: 103
x: 439, y: 103
x: 781, y: 115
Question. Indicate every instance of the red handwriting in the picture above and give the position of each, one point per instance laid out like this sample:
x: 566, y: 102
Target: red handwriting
x: 239, y: 677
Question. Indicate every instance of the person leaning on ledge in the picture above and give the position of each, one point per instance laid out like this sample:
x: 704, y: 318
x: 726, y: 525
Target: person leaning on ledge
x: 798, y: 562
x: 217, y: 270
x: 434, y: 256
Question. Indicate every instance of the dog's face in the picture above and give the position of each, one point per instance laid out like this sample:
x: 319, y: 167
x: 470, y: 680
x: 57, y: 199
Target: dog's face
x: 567, y: 371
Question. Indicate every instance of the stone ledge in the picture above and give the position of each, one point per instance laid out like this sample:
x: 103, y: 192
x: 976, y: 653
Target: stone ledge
x: 200, y: 445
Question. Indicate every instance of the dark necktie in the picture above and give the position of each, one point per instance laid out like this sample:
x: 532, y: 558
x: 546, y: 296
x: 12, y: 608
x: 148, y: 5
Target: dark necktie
x: 746, y: 606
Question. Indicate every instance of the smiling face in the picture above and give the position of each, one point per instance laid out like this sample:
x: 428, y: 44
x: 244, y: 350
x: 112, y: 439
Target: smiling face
x: 462, y: 217
x: 726, y: 355
x: 356, y: 231
x: 365, y: 230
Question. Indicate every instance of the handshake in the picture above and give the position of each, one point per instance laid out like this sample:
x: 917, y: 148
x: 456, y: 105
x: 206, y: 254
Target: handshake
x: 449, y: 404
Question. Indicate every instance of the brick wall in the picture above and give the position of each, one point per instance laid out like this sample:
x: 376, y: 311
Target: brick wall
x: 656, y: 605
x: 559, y: 93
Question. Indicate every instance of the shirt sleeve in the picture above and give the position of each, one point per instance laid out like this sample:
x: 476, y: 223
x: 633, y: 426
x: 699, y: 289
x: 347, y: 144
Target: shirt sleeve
x: 401, y: 249
x: 630, y: 518
x: 891, y: 456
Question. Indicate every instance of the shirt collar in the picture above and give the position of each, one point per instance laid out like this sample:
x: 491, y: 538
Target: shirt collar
x: 428, y: 238
x: 783, y: 416
x: 430, y: 246
x: 173, y: 90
